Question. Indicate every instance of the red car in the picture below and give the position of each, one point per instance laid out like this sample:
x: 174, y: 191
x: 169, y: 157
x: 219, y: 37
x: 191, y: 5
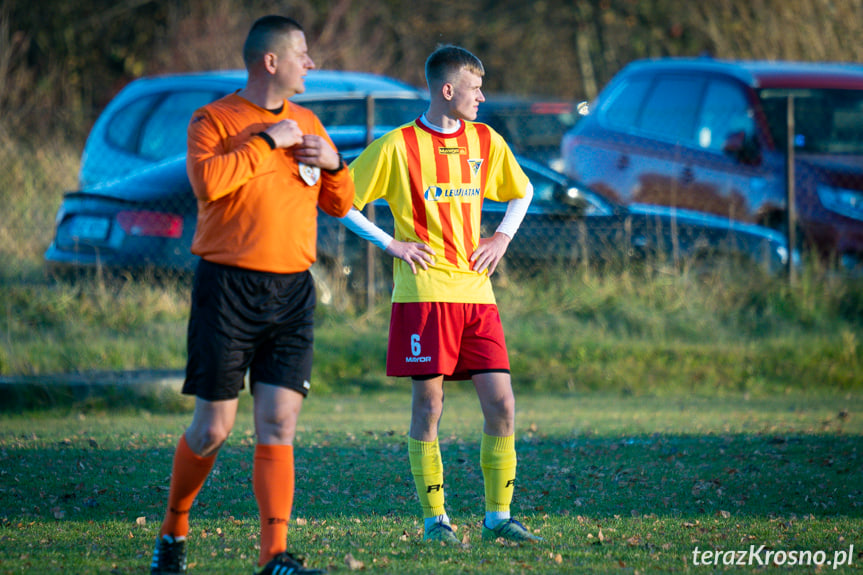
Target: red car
x: 711, y: 135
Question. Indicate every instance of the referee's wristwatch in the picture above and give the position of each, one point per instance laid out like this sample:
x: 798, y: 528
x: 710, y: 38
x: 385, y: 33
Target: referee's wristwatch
x: 339, y: 169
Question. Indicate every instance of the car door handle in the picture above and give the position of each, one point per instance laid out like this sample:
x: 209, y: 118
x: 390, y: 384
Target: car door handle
x: 622, y: 162
x: 687, y: 176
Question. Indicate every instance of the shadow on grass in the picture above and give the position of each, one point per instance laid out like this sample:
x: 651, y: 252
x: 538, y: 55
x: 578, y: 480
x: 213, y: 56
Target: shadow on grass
x: 661, y: 475
x: 152, y: 390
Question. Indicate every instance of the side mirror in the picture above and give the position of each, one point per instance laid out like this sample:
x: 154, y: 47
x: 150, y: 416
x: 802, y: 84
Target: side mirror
x: 745, y: 150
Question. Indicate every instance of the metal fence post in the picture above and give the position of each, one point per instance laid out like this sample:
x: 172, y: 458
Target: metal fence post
x: 371, y: 255
x: 791, y: 210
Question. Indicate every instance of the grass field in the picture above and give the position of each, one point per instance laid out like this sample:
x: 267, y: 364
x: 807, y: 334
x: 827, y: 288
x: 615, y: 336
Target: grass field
x: 661, y: 414
x: 614, y: 483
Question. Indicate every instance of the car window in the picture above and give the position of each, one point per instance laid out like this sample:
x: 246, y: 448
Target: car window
x: 398, y: 111
x: 543, y: 193
x: 543, y: 188
x: 671, y: 108
x: 125, y: 125
x: 624, y: 104
x: 164, y: 133
x: 352, y: 112
x: 725, y: 111
x: 339, y: 112
x: 825, y: 121
x: 527, y: 128
x: 545, y: 199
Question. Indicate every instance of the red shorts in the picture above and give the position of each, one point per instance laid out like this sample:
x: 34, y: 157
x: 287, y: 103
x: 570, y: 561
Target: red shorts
x: 453, y: 339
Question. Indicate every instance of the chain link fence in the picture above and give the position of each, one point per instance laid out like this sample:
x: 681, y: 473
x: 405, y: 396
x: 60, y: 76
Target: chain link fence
x: 141, y: 226
x: 686, y: 208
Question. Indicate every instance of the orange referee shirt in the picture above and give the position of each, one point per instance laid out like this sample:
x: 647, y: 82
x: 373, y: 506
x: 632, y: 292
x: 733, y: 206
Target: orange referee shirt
x: 257, y: 207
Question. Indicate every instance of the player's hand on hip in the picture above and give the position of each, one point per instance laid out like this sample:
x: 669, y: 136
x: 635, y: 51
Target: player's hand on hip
x: 489, y: 252
x: 314, y: 150
x: 285, y: 134
x: 412, y: 253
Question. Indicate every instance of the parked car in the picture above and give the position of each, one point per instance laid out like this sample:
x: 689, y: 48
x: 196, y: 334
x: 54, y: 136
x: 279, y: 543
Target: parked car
x: 710, y: 136
x: 533, y: 127
x: 146, y: 122
x: 568, y: 224
x: 146, y: 221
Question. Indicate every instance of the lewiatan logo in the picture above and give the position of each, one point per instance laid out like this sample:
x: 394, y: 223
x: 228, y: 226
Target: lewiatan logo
x: 433, y: 193
x: 437, y: 193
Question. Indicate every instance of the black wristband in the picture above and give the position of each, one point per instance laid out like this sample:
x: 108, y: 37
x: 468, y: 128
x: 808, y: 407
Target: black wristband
x: 268, y: 139
x: 339, y: 169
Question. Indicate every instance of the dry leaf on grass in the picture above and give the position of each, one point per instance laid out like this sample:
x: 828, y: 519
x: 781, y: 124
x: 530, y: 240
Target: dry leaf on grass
x: 352, y: 563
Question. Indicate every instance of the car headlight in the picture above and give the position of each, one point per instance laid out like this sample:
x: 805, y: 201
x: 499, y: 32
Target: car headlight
x: 61, y: 213
x: 583, y: 108
x: 842, y: 201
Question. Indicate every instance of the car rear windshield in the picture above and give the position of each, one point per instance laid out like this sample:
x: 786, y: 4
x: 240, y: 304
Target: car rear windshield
x: 825, y: 121
x: 352, y: 111
x: 532, y: 125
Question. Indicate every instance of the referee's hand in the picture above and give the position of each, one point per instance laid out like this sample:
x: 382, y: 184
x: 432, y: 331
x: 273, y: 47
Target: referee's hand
x: 285, y: 134
x: 316, y: 151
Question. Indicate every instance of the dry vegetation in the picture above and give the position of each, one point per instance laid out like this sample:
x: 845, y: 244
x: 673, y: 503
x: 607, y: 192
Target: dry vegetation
x: 60, y: 64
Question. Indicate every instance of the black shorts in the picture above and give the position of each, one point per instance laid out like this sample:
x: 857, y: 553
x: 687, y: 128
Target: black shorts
x: 243, y: 320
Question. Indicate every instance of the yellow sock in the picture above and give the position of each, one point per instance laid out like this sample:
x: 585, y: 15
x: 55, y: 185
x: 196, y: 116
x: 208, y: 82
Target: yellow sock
x: 498, y: 461
x: 427, y: 469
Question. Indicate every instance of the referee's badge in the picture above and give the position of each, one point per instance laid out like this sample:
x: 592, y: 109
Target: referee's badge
x: 310, y: 174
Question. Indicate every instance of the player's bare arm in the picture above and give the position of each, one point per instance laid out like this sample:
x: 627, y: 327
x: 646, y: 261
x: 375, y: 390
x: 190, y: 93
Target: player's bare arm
x: 411, y: 252
x: 489, y: 252
x: 314, y: 150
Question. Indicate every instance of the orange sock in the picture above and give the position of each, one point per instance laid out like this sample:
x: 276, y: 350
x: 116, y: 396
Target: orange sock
x: 188, y: 474
x: 273, y: 481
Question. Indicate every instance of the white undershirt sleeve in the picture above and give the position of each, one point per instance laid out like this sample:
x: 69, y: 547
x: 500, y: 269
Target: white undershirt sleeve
x: 363, y: 227
x: 515, y: 212
x: 360, y: 225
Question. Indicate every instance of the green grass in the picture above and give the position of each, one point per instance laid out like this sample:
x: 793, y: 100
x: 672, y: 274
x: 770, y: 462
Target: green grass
x: 650, y: 335
x: 660, y: 411
x: 648, y: 330
x: 62, y: 327
x: 613, y: 483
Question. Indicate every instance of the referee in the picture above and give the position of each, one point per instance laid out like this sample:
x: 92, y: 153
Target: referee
x: 260, y: 167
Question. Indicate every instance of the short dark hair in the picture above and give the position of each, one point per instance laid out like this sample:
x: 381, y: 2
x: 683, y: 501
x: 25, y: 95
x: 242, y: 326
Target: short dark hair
x: 447, y: 60
x: 265, y: 35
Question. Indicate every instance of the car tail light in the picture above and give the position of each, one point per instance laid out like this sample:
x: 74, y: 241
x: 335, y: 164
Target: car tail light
x: 551, y: 108
x: 154, y: 224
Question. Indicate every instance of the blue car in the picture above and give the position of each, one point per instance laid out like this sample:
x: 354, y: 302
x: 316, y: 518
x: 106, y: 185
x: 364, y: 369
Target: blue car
x: 145, y: 222
x: 146, y: 122
x: 568, y: 224
x: 712, y: 136
x: 135, y: 209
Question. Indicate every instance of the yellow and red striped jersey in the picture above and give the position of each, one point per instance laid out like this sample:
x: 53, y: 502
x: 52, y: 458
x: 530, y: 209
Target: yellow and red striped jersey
x: 435, y: 184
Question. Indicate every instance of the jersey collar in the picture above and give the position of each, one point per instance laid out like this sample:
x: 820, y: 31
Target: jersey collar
x: 424, y: 124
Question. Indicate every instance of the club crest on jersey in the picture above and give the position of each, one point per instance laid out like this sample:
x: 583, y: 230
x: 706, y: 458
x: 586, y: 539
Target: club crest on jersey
x: 475, y: 165
x: 310, y: 174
